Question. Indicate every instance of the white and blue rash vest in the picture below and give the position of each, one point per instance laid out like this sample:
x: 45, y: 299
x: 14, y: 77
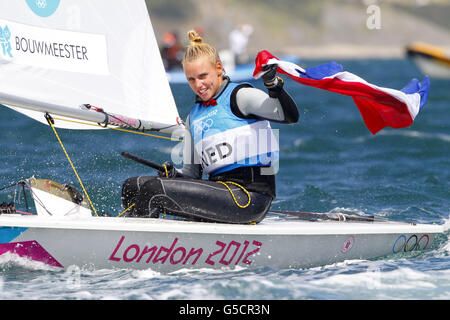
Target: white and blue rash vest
x: 225, y: 142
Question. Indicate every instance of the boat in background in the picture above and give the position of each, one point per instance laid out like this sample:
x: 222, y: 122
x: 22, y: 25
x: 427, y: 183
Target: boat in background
x: 431, y: 60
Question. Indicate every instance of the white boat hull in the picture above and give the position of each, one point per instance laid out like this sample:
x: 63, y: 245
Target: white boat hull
x: 432, y: 68
x: 169, y: 245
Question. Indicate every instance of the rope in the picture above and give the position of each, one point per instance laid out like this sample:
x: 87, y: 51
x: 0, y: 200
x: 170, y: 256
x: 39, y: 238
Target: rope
x: 123, y: 130
x: 10, y: 186
x: 165, y: 169
x: 126, y: 210
x: 50, y: 122
x: 25, y: 213
x: 232, y: 194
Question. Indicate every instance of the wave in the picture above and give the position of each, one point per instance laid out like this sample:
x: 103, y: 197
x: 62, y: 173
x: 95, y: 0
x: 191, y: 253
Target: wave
x: 407, y: 133
x: 11, y: 261
x: 401, y: 283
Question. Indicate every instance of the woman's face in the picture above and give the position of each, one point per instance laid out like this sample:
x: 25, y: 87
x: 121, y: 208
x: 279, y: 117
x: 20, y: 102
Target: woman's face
x: 204, y: 77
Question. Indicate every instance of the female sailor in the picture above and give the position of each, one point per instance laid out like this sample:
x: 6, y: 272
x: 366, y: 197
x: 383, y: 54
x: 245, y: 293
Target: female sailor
x: 229, y: 138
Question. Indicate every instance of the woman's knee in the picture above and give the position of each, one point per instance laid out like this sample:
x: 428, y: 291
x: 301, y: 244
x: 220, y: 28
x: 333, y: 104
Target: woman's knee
x: 129, y: 191
x: 132, y: 187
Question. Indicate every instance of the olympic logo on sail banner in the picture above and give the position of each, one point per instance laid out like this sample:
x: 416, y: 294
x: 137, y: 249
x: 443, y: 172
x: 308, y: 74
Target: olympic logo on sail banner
x: 5, y: 36
x: 410, y: 244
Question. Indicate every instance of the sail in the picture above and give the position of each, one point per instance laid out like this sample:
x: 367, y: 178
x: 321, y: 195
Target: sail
x: 56, y: 55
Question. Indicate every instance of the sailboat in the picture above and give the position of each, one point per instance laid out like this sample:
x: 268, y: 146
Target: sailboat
x: 72, y: 62
x: 430, y: 59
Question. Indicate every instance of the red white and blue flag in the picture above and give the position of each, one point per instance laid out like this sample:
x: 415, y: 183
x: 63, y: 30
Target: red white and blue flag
x: 379, y: 107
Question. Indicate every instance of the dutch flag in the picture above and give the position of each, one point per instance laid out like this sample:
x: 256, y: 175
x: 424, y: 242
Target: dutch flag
x: 380, y: 107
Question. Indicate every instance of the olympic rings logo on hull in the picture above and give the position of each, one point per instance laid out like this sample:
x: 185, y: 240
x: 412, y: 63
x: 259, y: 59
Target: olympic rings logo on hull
x: 410, y: 244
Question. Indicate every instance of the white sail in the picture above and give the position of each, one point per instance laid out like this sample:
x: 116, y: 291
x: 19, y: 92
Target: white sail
x: 58, y: 54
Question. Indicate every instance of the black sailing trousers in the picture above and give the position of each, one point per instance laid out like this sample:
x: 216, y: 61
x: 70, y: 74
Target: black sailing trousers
x: 197, y: 200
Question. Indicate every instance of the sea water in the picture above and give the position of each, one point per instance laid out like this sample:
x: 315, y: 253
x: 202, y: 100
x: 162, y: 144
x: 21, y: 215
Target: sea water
x: 330, y: 162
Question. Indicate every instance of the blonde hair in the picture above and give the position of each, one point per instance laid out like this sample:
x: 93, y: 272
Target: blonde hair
x: 198, y: 48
